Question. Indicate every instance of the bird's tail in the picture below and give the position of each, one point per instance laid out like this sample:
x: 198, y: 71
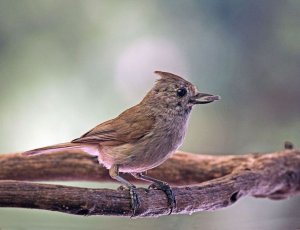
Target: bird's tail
x: 93, y: 150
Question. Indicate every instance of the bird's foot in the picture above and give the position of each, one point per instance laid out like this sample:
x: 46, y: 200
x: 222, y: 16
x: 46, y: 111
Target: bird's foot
x: 135, y: 201
x: 168, y: 191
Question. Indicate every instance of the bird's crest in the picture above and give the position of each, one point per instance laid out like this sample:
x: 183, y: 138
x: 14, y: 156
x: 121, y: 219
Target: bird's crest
x: 168, y: 76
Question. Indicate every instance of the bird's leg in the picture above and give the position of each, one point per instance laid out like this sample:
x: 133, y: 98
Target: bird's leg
x: 157, y: 184
x: 135, y: 203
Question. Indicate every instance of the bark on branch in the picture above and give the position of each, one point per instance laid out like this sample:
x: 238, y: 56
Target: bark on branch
x: 214, y: 182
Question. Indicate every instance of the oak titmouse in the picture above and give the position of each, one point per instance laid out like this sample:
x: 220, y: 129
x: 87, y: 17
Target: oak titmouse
x: 144, y: 136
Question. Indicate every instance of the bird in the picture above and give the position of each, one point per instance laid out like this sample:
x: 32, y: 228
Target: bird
x: 143, y: 136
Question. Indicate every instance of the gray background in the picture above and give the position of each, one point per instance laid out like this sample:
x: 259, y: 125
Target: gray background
x: 66, y: 66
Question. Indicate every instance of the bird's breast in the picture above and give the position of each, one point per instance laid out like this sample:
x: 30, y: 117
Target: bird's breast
x: 154, y: 148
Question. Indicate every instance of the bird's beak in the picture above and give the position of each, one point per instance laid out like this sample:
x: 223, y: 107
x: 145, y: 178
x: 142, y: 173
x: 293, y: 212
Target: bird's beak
x: 204, y: 98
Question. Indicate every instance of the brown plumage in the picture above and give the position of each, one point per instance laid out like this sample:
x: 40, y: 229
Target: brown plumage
x: 125, y: 128
x: 143, y: 136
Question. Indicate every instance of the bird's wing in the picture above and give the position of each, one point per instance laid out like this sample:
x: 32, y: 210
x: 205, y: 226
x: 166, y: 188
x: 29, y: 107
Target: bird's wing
x: 128, y: 127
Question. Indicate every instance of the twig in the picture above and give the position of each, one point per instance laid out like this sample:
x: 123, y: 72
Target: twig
x: 228, y: 178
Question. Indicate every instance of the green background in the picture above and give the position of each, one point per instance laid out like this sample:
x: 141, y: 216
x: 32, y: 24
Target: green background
x: 66, y: 66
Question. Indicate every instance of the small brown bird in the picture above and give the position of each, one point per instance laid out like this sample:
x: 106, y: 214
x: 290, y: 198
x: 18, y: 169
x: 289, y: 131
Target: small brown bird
x: 143, y: 136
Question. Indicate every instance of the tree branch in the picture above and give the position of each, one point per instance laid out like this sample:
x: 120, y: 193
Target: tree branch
x: 182, y: 169
x: 224, y: 179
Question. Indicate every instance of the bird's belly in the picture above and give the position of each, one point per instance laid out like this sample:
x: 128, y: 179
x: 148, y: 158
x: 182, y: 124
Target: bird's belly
x: 145, y: 159
x: 145, y: 154
x: 135, y: 158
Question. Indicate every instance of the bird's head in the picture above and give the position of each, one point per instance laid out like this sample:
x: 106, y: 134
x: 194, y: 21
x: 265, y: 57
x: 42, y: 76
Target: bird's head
x: 177, y: 94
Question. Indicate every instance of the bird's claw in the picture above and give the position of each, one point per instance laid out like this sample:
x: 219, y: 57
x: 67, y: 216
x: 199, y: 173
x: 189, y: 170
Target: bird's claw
x: 168, y: 191
x: 135, y: 201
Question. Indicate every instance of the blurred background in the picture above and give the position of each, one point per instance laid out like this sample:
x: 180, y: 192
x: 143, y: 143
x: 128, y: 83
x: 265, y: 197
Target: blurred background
x: 66, y: 66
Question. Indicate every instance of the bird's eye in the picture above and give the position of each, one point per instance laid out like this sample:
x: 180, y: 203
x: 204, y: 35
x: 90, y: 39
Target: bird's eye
x: 181, y: 92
